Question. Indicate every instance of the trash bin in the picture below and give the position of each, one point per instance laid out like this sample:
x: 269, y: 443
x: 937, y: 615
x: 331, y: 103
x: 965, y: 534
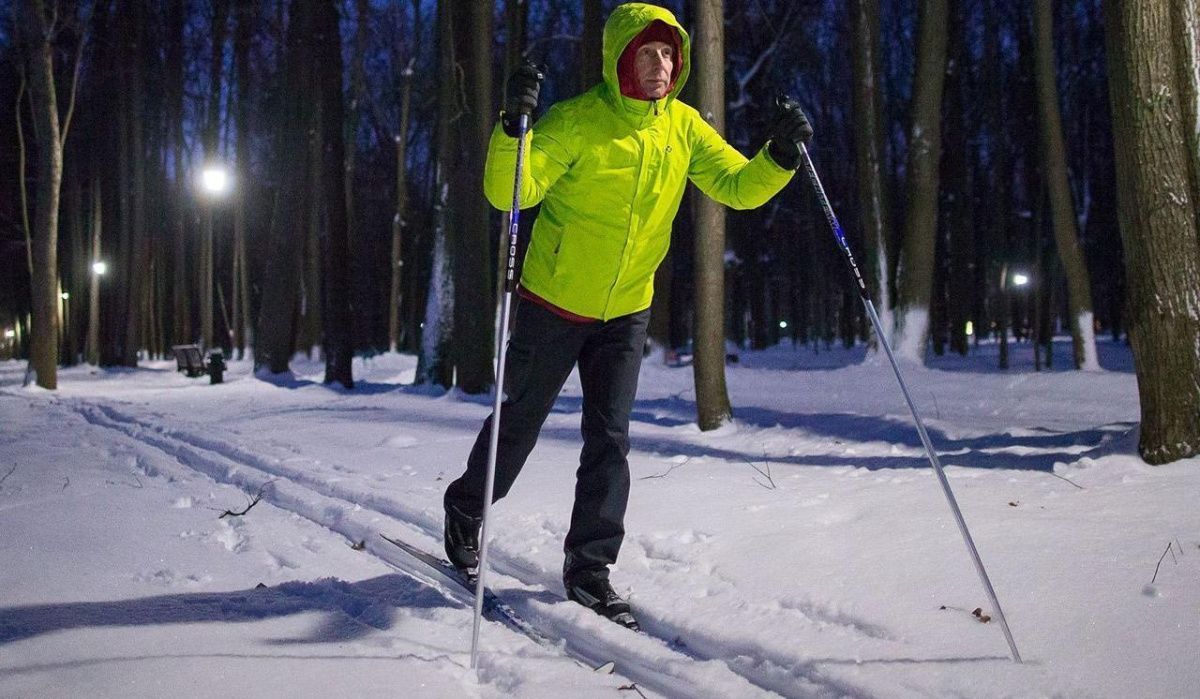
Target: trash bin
x: 216, y: 367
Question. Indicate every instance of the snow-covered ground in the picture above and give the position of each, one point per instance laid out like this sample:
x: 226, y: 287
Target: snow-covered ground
x: 805, y: 550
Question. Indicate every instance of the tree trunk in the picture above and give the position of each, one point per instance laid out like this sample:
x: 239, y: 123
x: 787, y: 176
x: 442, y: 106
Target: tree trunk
x: 1158, y: 224
x: 591, y: 56
x: 246, y: 15
x: 924, y: 153
x: 436, y: 363
x: 211, y: 136
x: 276, y: 335
x: 182, y: 271
x: 1062, y: 207
x: 43, y: 353
x: 474, y: 304
x: 398, y: 221
x: 1186, y: 39
x: 874, y: 199
x: 712, y: 397
x: 338, y: 330
x: 139, y: 265
x: 92, y: 350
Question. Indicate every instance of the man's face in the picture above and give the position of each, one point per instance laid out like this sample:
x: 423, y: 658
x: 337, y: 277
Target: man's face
x: 653, y: 64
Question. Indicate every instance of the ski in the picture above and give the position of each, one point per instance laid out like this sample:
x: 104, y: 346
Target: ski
x: 494, y: 608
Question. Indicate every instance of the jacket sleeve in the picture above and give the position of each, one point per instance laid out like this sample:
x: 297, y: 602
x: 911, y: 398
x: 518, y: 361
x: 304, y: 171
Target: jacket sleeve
x: 727, y: 176
x: 546, y: 159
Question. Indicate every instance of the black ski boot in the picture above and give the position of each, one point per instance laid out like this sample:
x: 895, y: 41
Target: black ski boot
x: 461, y: 536
x: 597, y: 595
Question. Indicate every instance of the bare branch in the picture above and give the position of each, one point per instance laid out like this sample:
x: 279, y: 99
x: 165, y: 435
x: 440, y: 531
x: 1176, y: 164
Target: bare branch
x: 62, y: 138
x: 1052, y: 473
x: 765, y: 472
x: 257, y: 498
x: 10, y: 472
x: 1160, y: 560
x: 664, y: 474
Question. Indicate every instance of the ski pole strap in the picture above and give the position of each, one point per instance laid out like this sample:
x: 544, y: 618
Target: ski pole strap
x: 514, y: 212
x: 833, y: 222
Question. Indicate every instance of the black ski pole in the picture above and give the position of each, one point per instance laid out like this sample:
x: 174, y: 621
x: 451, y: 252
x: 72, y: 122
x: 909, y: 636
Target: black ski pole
x: 883, y: 342
x: 510, y: 284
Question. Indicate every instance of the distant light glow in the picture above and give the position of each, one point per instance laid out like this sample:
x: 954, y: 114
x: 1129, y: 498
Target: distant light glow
x: 783, y: 324
x: 66, y: 295
x: 10, y: 334
x: 100, y: 268
x: 215, y: 179
x: 1020, y: 279
x: 970, y: 330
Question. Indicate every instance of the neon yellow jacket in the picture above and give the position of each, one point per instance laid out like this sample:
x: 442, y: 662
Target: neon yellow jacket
x: 610, y: 172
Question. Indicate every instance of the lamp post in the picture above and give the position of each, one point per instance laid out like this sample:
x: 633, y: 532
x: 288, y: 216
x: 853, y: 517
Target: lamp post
x: 92, y: 348
x: 215, y: 182
x: 1020, y: 280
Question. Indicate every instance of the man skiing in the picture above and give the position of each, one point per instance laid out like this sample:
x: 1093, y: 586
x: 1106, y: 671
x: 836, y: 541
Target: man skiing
x: 609, y: 168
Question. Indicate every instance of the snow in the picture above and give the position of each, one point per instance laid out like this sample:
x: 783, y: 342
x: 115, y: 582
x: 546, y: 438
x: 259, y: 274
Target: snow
x: 910, y: 334
x: 1087, y: 336
x: 805, y: 550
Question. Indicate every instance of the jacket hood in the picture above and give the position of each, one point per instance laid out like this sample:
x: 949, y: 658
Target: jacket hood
x: 625, y: 23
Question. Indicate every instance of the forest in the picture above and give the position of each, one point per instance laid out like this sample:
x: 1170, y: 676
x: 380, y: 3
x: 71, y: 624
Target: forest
x: 279, y: 176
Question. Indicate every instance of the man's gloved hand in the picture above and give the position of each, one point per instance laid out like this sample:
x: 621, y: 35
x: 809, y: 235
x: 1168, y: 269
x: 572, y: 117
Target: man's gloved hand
x: 789, y: 129
x: 521, y: 95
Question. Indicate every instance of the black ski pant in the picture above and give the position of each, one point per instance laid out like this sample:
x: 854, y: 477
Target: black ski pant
x: 542, y: 350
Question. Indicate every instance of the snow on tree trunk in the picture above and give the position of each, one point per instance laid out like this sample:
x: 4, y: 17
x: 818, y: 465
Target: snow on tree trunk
x: 911, y: 333
x: 924, y: 155
x: 435, y: 363
x: 1062, y: 208
x: 1087, y: 330
x: 868, y: 126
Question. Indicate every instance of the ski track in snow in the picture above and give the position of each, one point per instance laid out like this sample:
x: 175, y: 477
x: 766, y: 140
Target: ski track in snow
x: 666, y: 658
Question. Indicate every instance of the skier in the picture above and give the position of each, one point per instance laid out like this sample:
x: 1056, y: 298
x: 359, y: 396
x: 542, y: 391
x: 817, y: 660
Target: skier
x: 609, y: 169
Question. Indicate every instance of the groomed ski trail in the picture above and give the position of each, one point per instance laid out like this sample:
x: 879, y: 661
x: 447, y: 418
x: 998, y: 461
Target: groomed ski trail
x: 666, y: 658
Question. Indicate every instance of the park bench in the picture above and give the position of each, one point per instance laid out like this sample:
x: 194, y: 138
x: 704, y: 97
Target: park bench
x: 189, y: 359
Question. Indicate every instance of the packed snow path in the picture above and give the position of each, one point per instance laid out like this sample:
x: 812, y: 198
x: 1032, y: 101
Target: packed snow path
x: 803, y: 552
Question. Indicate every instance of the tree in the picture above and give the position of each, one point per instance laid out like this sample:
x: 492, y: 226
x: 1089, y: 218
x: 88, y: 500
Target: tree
x: 337, y: 328
x: 436, y: 362
x: 869, y: 157
x: 275, y: 337
x: 1062, y: 207
x: 470, y: 213
x: 712, y: 396
x: 924, y: 152
x: 38, y: 30
x: 1158, y: 216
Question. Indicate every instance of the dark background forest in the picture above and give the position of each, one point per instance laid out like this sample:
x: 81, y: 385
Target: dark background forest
x: 353, y: 132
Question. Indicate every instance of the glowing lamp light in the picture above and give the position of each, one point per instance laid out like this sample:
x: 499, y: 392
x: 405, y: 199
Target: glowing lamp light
x: 970, y: 329
x: 10, y: 334
x: 66, y: 295
x: 215, y: 180
x: 783, y: 325
x: 100, y: 268
x: 1020, y: 279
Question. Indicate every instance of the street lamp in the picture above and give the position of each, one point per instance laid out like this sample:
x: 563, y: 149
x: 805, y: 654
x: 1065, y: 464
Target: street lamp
x: 92, y: 342
x: 215, y: 182
x: 1020, y: 279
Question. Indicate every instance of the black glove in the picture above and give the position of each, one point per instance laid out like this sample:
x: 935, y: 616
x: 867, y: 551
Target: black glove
x: 789, y: 129
x: 521, y: 95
